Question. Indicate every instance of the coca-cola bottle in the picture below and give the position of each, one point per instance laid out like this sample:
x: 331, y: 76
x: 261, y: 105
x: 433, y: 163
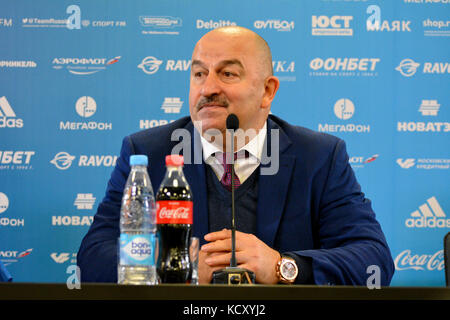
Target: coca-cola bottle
x: 174, y: 218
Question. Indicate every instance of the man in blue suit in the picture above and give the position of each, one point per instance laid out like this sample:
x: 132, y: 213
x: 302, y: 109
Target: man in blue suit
x: 301, y: 215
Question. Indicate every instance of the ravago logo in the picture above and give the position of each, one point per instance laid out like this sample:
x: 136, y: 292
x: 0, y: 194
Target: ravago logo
x: 8, y: 116
x: 62, y: 160
x: 4, y: 202
x: 150, y: 65
x: 407, y: 67
x: 83, y: 66
x: 331, y: 26
x: 429, y: 215
x: 419, y: 262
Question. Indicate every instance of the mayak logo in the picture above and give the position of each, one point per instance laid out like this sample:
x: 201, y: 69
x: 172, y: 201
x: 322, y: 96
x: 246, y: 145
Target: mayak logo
x: 83, y: 66
x: 331, y: 26
x: 429, y: 107
x: 150, y: 65
x: 374, y: 22
x: 8, y: 116
x: 172, y: 105
x: 10, y: 256
x: 62, y: 160
x: 407, y: 67
x: 161, y: 22
x: 406, y: 260
x: 429, y: 215
x: 4, y: 202
x: 84, y: 201
x: 279, y: 25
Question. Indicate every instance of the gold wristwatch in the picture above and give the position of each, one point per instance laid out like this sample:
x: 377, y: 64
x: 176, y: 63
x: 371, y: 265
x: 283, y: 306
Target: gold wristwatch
x: 287, y: 270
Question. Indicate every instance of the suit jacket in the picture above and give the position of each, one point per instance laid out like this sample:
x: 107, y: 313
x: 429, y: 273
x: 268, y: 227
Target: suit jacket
x: 312, y: 207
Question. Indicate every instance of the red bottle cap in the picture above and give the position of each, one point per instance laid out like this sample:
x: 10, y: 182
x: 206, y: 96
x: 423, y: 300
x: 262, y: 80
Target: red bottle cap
x: 174, y: 160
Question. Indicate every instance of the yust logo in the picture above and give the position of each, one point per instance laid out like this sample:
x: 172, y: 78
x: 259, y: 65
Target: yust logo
x: 8, y: 116
x: 429, y: 215
x: 84, y: 201
x: 344, y: 109
x: 4, y: 202
x: 406, y: 260
x: 331, y: 26
x: 172, y: 105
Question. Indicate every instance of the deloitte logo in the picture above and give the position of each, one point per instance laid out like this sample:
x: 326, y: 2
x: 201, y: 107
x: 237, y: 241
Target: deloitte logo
x: 62, y: 160
x: 429, y: 215
x: 4, y: 202
x: 86, y: 106
x: 344, y: 109
x: 150, y: 65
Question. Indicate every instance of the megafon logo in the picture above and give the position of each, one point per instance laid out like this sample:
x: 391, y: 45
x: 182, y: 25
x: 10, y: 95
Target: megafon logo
x: 406, y: 260
x: 150, y: 65
x: 407, y: 67
x: 62, y: 160
x: 83, y: 66
x: 429, y: 215
x: 8, y: 116
x: 4, y: 202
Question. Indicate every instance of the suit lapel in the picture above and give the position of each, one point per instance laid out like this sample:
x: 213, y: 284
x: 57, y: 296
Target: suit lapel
x: 273, y: 188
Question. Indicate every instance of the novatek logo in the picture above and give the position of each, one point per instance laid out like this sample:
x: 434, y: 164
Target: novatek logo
x: 172, y: 105
x: 72, y: 220
x: 279, y: 25
x: 374, y: 22
x: 429, y: 215
x: 201, y: 24
x: 84, y: 201
x: 150, y: 65
x: 8, y: 116
x: 4, y: 202
x: 429, y: 107
x: 83, y: 66
x: 419, y: 262
x: 331, y: 26
x: 146, y: 124
x: 63, y: 160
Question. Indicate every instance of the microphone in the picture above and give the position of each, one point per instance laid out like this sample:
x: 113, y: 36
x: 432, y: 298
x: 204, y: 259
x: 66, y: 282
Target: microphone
x: 233, y: 274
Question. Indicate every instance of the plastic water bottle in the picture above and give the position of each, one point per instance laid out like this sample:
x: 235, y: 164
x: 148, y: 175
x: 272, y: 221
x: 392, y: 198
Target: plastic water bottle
x: 137, y: 227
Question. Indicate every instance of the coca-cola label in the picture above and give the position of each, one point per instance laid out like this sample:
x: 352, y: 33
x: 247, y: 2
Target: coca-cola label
x: 407, y: 260
x: 174, y: 212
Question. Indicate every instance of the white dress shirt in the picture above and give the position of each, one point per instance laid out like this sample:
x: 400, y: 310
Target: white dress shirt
x: 243, y: 166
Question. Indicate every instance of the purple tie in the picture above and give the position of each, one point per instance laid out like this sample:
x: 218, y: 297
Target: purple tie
x: 226, y: 178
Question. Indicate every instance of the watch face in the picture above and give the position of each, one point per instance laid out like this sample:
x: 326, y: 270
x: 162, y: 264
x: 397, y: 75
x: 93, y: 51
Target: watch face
x: 288, y: 270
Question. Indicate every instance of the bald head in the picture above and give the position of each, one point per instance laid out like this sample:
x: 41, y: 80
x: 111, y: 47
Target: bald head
x: 238, y: 34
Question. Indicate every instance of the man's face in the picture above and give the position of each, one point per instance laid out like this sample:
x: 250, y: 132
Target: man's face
x: 226, y: 77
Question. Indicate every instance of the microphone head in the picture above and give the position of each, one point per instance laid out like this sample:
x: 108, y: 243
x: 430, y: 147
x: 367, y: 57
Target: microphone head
x: 232, y: 122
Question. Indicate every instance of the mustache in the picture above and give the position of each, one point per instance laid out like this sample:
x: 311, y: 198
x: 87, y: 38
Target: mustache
x: 214, y: 99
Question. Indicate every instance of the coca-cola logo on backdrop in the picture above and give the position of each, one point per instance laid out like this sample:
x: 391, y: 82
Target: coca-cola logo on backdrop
x: 406, y: 260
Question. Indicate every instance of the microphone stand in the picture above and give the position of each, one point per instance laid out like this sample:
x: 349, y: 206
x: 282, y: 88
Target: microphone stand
x: 233, y: 274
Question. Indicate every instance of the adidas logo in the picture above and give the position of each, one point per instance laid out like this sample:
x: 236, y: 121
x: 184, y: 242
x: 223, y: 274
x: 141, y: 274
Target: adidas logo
x: 429, y: 215
x: 8, y: 116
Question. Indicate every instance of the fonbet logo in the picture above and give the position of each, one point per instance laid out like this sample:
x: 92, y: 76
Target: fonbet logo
x: 8, y: 116
x: 331, y: 26
x: 344, y: 109
x: 63, y: 160
x: 429, y: 215
x: 374, y: 22
x: 4, y: 202
x: 16, y: 160
x: 279, y: 25
x: 83, y: 66
x: 407, y: 67
x: 343, y: 66
x: 406, y: 260
x: 172, y: 105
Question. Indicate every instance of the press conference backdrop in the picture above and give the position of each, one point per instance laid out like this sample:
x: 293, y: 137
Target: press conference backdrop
x: 77, y: 76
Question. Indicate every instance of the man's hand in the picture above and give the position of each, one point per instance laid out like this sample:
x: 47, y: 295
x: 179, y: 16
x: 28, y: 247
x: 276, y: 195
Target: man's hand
x: 251, y: 253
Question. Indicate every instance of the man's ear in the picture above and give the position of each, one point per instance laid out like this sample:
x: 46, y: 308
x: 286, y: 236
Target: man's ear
x: 271, y: 85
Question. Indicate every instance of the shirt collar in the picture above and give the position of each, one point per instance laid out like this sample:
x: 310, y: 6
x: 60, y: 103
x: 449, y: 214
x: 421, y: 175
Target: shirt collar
x: 254, y: 147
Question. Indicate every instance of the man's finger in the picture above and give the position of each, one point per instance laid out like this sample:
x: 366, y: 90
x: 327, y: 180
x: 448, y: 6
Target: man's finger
x: 218, y: 235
